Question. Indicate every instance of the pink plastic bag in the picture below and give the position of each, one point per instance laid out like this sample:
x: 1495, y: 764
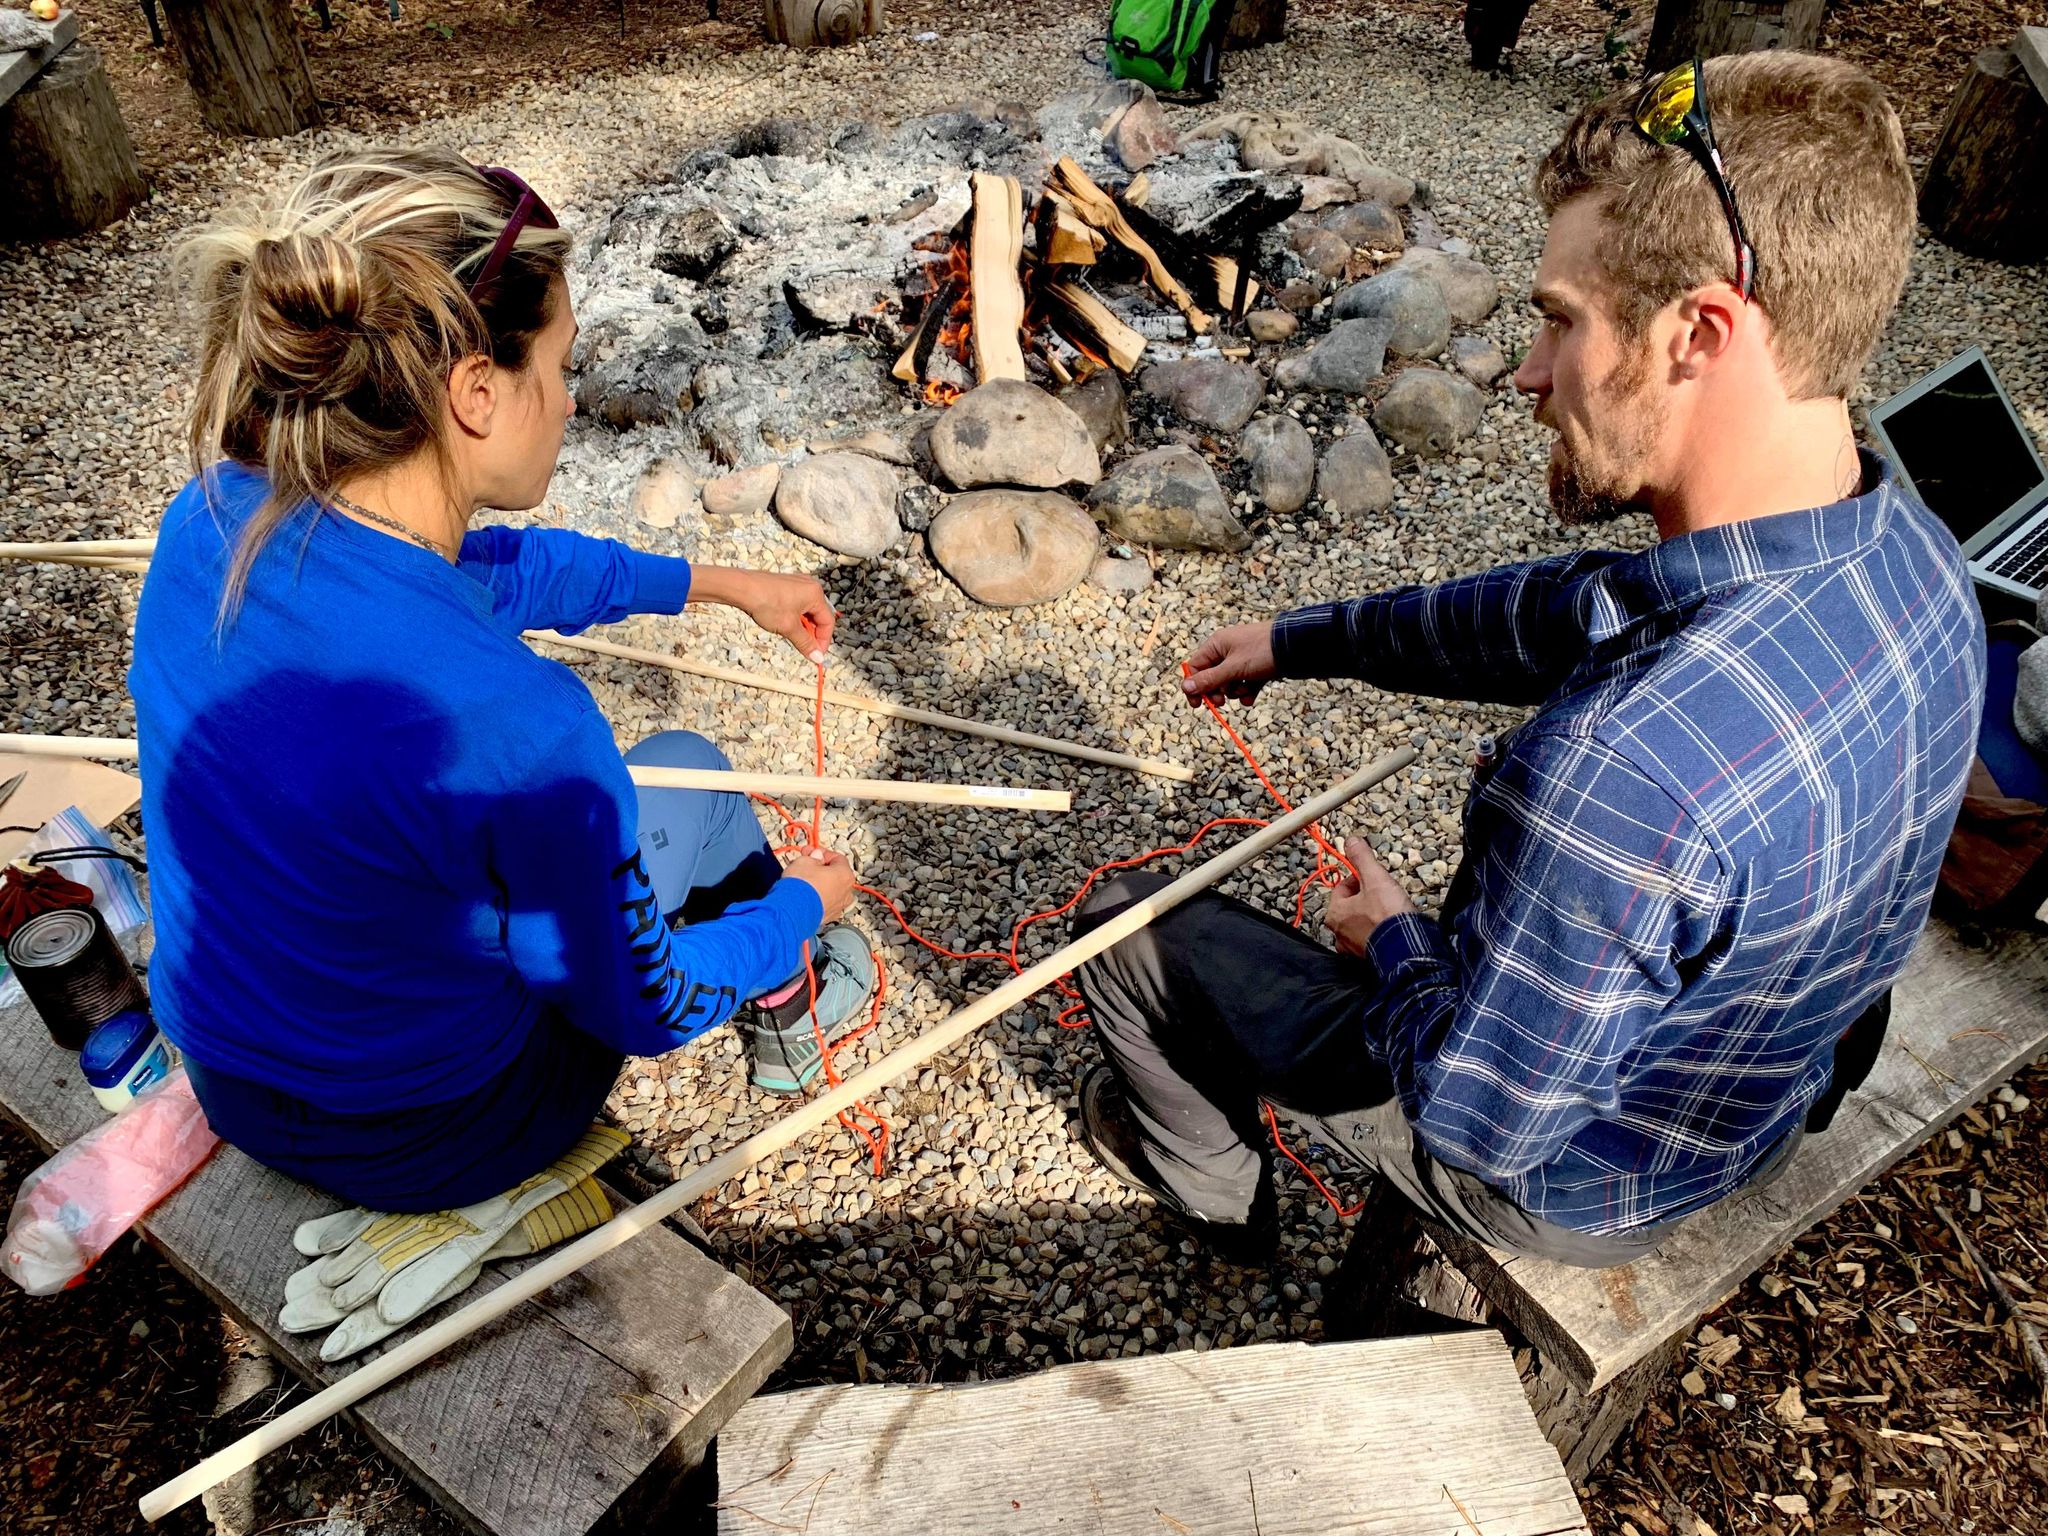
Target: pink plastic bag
x: 76, y: 1206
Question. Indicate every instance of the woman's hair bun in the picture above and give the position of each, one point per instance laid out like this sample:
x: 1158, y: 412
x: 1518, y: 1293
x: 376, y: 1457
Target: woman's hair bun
x: 305, y: 309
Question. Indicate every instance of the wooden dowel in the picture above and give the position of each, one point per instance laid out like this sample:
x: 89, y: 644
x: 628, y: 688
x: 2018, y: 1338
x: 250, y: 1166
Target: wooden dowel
x: 995, y: 797
x: 818, y: 1112
x: 833, y: 696
x: 61, y: 548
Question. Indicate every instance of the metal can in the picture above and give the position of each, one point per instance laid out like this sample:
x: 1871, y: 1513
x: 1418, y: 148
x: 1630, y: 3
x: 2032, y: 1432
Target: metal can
x: 72, y: 968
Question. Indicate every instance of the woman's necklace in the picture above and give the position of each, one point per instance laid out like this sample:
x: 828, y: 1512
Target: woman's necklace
x: 390, y: 522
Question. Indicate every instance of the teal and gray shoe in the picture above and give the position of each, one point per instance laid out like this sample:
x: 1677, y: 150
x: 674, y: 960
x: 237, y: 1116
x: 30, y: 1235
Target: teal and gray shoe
x: 782, y: 1040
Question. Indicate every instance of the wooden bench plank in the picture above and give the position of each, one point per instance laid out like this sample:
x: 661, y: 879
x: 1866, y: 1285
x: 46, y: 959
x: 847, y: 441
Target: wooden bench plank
x: 596, y: 1395
x: 1963, y: 1020
x: 1380, y: 1436
x: 18, y: 66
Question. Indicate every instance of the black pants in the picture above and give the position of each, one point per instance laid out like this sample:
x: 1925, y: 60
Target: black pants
x: 1217, y: 1005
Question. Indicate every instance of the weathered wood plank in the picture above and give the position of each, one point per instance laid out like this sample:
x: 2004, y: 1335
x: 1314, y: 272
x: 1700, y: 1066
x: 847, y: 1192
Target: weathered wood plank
x: 1963, y: 1020
x: 1417, y: 1436
x: 18, y: 66
x: 595, y: 1396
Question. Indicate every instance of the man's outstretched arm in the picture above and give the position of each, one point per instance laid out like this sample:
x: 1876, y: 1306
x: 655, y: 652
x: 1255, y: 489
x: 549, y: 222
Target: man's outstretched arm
x: 1505, y: 1029
x: 1509, y: 635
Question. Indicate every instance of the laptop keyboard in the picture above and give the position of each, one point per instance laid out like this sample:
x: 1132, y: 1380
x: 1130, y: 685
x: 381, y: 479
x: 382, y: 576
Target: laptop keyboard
x: 2025, y: 562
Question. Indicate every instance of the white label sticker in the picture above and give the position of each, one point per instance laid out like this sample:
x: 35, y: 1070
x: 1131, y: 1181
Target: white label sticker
x: 998, y: 792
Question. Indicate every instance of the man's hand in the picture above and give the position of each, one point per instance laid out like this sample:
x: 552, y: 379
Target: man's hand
x: 1233, y: 663
x: 794, y: 607
x: 828, y: 874
x: 1358, y: 906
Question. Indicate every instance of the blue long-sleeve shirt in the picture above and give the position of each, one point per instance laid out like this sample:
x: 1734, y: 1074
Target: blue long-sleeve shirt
x: 1707, y: 852
x: 385, y: 837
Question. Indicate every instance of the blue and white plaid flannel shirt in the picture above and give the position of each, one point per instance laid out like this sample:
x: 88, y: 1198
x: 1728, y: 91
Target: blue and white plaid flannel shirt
x: 1708, y: 851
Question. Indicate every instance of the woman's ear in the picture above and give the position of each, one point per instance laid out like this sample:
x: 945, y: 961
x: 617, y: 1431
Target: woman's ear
x: 474, y: 389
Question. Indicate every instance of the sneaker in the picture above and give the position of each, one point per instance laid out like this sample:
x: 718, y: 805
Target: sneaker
x: 781, y: 1038
x: 1110, y: 1131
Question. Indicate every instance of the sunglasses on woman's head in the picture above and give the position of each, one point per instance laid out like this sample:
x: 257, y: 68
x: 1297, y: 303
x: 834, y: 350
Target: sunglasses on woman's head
x: 527, y: 210
x: 1672, y: 110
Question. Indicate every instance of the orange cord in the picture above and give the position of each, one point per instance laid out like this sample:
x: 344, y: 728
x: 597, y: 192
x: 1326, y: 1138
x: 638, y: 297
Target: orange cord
x: 1332, y: 867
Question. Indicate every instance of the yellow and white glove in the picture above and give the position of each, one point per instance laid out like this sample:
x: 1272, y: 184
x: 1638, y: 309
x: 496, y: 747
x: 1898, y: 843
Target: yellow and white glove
x: 374, y: 1272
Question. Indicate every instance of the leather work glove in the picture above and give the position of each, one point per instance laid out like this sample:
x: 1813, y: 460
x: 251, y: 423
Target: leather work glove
x: 374, y: 1272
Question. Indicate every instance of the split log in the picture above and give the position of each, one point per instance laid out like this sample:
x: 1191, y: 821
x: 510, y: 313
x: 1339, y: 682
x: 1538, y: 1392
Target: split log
x: 911, y: 366
x: 822, y: 23
x: 1100, y: 210
x: 1263, y: 205
x: 69, y: 166
x: 246, y: 65
x: 1215, y: 276
x: 1256, y: 23
x: 1090, y: 325
x: 1986, y: 189
x: 995, y: 293
x: 1686, y: 29
x: 1064, y: 240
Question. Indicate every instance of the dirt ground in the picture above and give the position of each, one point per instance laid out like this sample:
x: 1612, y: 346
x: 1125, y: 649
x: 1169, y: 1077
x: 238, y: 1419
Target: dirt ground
x: 1873, y: 1386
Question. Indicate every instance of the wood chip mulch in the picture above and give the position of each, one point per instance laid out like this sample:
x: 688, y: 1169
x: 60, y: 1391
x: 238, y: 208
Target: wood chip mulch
x: 1864, y: 1383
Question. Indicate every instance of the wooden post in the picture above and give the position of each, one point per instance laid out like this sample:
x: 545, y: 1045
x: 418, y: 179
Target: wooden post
x: 1256, y: 23
x: 68, y: 166
x: 246, y: 65
x: 1685, y: 28
x: 822, y: 23
x: 1986, y: 190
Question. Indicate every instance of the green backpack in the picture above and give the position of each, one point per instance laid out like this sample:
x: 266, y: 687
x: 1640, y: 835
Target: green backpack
x: 1170, y: 45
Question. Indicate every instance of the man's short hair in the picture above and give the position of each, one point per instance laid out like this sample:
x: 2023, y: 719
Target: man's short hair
x: 1818, y: 163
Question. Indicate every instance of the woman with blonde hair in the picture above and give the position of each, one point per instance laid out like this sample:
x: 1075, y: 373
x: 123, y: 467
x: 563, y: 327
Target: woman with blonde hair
x: 411, y: 913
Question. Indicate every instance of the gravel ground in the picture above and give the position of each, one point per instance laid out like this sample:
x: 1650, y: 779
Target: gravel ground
x: 991, y: 1244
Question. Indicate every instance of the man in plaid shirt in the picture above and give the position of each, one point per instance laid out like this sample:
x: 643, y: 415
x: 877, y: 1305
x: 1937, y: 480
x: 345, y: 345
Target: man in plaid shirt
x: 1691, y: 877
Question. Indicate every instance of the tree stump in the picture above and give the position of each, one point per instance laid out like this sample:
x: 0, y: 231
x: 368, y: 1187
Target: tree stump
x: 246, y: 65
x: 1256, y: 23
x: 1684, y: 29
x: 69, y: 166
x: 1986, y: 189
x: 822, y: 23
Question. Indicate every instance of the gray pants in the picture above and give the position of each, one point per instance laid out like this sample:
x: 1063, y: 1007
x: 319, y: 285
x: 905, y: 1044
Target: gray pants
x: 1216, y: 1006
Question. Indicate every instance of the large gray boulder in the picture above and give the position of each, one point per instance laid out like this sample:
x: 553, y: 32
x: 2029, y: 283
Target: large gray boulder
x: 1007, y: 548
x: 1355, y: 477
x: 1429, y: 412
x: 1282, y: 459
x: 1010, y: 433
x: 1422, y: 319
x: 1345, y: 361
x: 1470, y: 291
x: 844, y: 501
x: 1168, y: 497
x: 1208, y: 391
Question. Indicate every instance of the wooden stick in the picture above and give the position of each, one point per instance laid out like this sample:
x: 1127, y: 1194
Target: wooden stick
x: 1091, y: 325
x: 994, y: 295
x: 135, y: 563
x: 1153, y: 766
x: 60, y: 548
x: 815, y: 1114
x: 2030, y: 1336
x: 1098, y: 208
x: 991, y: 796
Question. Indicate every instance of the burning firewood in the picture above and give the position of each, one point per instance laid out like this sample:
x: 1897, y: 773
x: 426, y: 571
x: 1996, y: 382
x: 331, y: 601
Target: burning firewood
x: 995, y: 293
x: 1101, y: 211
x: 1090, y: 324
x: 1064, y: 239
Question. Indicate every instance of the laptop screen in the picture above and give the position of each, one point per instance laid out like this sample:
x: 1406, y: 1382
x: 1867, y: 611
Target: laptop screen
x: 1963, y: 449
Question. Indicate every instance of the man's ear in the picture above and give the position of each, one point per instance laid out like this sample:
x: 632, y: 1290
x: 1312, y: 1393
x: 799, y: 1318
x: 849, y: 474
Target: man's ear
x: 474, y: 387
x: 1710, y: 320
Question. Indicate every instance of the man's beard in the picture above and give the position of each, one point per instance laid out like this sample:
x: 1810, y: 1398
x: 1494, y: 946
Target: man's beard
x: 1602, y: 484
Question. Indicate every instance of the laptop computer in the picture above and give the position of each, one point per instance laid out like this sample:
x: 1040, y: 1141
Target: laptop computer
x: 1959, y: 446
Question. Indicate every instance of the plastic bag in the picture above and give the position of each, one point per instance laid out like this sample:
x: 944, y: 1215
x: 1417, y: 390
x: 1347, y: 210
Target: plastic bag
x: 76, y: 1206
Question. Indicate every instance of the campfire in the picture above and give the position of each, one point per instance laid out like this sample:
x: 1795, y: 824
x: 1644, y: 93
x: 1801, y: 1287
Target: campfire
x: 988, y: 303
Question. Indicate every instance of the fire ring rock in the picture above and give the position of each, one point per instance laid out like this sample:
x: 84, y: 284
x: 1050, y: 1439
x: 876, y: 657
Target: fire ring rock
x: 1169, y: 498
x: 1282, y: 458
x: 1208, y: 391
x: 1007, y: 548
x: 1010, y: 433
x: 1429, y: 412
x: 844, y: 501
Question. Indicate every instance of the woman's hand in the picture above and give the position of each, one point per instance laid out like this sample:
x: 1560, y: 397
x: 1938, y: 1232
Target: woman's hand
x: 794, y: 607
x: 828, y: 874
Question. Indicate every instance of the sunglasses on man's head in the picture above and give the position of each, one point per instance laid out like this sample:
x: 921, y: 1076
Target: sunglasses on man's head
x: 1672, y: 110
x: 527, y: 210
